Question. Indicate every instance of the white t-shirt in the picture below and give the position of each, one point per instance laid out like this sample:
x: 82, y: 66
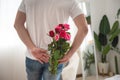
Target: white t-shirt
x: 43, y: 15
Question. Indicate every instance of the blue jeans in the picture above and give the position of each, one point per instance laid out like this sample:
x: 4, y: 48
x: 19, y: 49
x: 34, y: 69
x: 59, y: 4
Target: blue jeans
x: 37, y: 71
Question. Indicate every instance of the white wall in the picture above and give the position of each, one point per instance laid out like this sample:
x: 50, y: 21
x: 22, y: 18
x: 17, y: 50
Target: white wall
x: 98, y: 9
x: 112, y: 7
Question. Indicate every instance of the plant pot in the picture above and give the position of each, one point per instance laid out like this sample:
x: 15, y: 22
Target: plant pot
x: 92, y: 69
x: 86, y: 72
x: 103, y: 68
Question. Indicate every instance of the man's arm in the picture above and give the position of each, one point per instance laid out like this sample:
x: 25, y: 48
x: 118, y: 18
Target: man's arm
x: 22, y: 32
x: 24, y: 36
x: 81, y: 24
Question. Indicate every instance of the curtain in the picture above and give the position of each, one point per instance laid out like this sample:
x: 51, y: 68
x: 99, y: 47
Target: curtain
x: 11, y: 48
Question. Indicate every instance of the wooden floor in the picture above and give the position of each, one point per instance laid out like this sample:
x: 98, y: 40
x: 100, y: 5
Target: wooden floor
x: 92, y: 78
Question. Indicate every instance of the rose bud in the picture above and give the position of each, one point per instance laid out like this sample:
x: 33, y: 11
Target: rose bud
x: 51, y: 33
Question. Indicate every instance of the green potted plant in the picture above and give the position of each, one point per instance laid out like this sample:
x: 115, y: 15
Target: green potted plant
x: 114, y: 48
x: 89, y: 62
x: 88, y: 18
x: 106, y: 39
x: 89, y: 59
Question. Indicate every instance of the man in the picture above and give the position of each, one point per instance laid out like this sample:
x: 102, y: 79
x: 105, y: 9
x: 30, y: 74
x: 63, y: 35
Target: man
x: 41, y: 16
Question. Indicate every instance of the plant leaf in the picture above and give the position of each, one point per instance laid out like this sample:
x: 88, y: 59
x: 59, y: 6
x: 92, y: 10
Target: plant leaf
x: 114, y: 27
x: 106, y: 49
x: 103, y: 39
x: 88, y: 18
x: 115, y: 41
x: 104, y: 25
x: 97, y: 42
x: 56, y: 54
x: 114, y: 35
x: 118, y: 13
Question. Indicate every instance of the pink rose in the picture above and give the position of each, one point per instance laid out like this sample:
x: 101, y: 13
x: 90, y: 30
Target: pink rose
x: 63, y: 34
x: 56, y: 37
x: 51, y: 33
x: 66, y: 27
x: 67, y: 37
x: 58, y: 29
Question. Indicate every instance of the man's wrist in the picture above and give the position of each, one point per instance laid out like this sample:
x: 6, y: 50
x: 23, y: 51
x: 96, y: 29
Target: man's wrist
x: 70, y: 54
x: 31, y: 48
x: 71, y: 51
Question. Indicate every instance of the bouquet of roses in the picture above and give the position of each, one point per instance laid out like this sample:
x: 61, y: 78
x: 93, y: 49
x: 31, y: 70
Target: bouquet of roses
x: 59, y: 46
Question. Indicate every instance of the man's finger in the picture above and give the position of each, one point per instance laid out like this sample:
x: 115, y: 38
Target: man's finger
x: 43, y: 50
x: 46, y: 55
x: 40, y: 61
x: 62, y: 60
x: 44, y: 59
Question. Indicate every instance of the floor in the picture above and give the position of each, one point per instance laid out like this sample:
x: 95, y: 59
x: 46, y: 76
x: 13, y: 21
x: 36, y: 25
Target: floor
x: 92, y: 78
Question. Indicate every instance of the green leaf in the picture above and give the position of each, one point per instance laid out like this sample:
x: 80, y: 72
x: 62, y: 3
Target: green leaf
x: 115, y: 41
x: 49, y: 48
x: 102, y: 39
x: 106, y: 49
x: 50, y: 61
x: 114, y: 27
x: 63, y: 51
x: 66, y: 44
x: 97, y: 42
x: 88, y: 18
x: 56, y: 64
x: 118, y: 13
x: 56, y: 54
x: 104, y: 25
x: 114, y: 35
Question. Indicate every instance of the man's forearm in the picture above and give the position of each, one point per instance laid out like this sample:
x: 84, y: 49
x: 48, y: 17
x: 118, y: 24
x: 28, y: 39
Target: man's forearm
x: 76, y: 44
x: 21, y: 30
x: 24, y: 36
x: 77, y: 41
x: 81, y: 24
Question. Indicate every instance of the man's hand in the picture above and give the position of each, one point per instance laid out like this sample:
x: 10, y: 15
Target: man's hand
x: 65, y: 59
x: 40, y: 54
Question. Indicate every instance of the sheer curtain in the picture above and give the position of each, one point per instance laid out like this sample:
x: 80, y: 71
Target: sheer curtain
x: 11, y: 48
